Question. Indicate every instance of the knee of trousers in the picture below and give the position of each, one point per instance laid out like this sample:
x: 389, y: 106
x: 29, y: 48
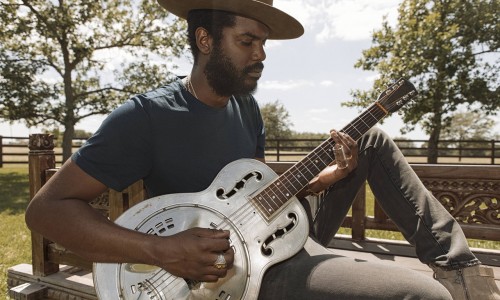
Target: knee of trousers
x: 375, y: 138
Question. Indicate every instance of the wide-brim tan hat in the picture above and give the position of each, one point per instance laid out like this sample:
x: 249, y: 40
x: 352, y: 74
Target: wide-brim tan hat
x: 281, y: 25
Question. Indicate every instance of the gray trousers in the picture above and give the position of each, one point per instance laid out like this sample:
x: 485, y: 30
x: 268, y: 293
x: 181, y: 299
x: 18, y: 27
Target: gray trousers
x: 317, y: 273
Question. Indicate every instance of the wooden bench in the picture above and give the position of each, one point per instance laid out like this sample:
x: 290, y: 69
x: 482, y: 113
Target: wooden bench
x: 470, y: 193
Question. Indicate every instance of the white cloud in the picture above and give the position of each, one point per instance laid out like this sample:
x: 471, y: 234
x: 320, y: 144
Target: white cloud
x: 273, y: 43
x: 285, y: 85
x: 317, y: 111
x: 294, y: 84
x: 343, y: 19
x: 327, y: 83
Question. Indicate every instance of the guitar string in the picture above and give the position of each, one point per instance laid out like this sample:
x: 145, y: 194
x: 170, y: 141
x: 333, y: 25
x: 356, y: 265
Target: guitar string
x: 246, y: 207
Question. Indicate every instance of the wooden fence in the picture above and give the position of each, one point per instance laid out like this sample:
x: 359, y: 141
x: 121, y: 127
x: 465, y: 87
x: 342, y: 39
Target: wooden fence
x: 449, y: 151
x: 14, y: 150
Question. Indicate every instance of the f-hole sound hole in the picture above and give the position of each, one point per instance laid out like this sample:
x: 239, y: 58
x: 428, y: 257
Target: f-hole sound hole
x: 221, y: 193
x: 223, y: 295
x: 265, y: 249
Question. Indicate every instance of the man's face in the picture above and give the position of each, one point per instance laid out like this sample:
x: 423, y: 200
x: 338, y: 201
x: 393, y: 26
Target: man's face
x: 235, y: 63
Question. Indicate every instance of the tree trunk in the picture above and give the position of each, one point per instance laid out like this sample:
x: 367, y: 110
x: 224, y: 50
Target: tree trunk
x: 69, y: 132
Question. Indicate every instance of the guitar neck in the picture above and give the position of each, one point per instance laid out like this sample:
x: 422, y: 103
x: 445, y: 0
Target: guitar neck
x: 272, y: 198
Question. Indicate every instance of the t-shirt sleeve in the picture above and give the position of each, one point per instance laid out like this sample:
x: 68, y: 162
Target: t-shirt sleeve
x: 119, y: 153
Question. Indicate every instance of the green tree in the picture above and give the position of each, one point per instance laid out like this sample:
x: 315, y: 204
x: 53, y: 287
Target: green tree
x: 470, y: 125
x: 276, y: 120
x: 467, y: 127
x: 449, y: 50
x: 62, y: 61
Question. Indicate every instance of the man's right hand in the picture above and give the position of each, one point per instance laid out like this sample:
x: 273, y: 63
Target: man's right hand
x: 192, y: 253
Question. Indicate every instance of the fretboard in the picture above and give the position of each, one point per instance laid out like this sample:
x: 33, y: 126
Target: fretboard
x: 273, y: 197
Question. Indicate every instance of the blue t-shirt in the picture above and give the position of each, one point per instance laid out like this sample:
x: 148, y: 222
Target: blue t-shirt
x: 172, y: 141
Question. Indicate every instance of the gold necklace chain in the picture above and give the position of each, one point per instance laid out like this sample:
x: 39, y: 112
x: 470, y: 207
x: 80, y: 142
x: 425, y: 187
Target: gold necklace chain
x: 190, y: 87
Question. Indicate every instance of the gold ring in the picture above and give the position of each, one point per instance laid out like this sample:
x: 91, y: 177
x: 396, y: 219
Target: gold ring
x: 220, y: 262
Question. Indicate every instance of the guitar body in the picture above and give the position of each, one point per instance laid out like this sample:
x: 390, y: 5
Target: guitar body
x: 258, y: 243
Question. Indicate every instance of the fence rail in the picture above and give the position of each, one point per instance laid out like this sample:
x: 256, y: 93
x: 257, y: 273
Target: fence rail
x: 14, y: 150
x: 449, y: 151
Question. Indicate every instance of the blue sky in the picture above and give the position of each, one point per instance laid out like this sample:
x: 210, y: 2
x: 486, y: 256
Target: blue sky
x: 313, y: 74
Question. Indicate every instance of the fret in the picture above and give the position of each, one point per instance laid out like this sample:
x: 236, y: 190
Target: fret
x: 359, y: 132
x: 258, y: 204
x: 291, y: 183
x: 300, y: 177
x: 371, y: 115
x: 367, y: 126
x: 273, y: 197
x: 297, y: 174
x: 280, y: 186
x: 267, y: 201
x: 309, y: 163
x: 286, y: 194
x: 320, y: 162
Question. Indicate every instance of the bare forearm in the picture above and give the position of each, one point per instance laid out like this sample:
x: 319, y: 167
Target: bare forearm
x: 79, y: 228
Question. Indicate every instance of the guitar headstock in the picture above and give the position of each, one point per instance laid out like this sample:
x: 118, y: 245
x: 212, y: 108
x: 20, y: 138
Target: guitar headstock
x: 397, y: 95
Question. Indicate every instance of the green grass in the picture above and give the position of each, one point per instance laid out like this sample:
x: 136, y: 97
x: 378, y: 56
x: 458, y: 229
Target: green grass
x: 15, y: 238
x: 392, y: 235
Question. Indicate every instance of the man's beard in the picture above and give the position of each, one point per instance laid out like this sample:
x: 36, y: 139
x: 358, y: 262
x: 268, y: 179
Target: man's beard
x: 225, y: 79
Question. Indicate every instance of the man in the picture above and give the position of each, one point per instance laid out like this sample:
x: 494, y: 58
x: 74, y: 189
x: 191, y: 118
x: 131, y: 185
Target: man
x: 178, y: 137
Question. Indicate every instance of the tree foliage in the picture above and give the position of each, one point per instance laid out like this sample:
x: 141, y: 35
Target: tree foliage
x: 62, y: 61
x: 470, y: 125
x: 276, y: 120
x: 449, y: 50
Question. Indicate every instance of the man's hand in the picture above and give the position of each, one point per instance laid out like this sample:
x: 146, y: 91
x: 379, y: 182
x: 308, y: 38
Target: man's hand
x: 192, y: 254
x: 333, y: 173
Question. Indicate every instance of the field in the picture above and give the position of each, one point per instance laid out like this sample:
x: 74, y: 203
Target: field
x: 293, y: 157
x: 15, y: 238
x: 19, y: 155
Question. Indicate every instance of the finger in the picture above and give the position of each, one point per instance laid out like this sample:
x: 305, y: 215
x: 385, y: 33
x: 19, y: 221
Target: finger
x: 351, y: 146
x: 211, y: 233
x: 343, y: 139
x: 209, y: 278
x: 228, y: 256
x: 335, y: 136
x: 349, y: 141
x: 215, y: 245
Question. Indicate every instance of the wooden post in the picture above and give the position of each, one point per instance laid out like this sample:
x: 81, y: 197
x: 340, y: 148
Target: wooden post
x: 359, y: 214
x: 278, y: 150
x: 119, y: 202
x: 492, y: 152
x: 1, y: 151
x: 41, y: 157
